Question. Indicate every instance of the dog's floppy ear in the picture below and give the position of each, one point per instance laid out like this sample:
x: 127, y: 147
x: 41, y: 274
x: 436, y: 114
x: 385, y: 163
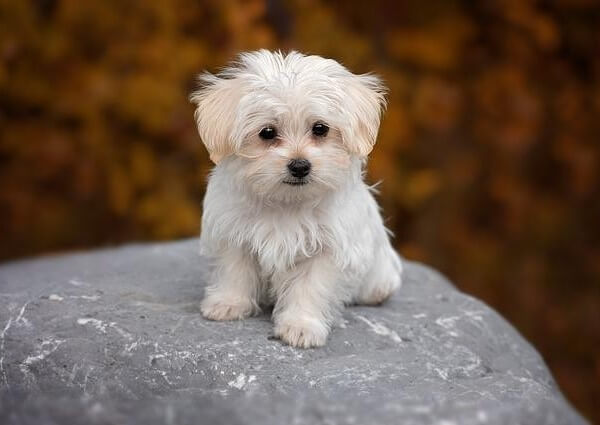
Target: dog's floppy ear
x: 216, y: 108
x: 366, y: 102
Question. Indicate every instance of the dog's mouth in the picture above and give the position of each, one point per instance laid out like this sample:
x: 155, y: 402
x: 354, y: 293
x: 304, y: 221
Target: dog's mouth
x: 296, y: 182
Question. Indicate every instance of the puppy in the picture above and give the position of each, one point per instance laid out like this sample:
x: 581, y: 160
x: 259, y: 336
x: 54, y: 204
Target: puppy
x: 287, y: 218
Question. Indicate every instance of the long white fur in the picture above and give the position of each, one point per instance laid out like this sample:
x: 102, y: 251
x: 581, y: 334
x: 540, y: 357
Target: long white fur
x: 310, y: 249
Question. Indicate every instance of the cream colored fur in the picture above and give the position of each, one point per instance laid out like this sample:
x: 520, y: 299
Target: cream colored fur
x: 305, y: 249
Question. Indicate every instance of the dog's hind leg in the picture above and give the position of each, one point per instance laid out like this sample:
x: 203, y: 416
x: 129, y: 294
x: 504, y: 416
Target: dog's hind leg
x: 382, y: 280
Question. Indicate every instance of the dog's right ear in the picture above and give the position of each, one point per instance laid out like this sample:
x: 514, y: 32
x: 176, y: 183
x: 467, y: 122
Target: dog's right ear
x: 216, y: 107
x: 365, y: 95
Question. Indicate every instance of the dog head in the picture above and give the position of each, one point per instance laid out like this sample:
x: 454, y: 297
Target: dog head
x: 293, y: 124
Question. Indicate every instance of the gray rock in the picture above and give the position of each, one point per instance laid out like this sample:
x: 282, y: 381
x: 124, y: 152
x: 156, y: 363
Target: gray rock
x: 115, y: 336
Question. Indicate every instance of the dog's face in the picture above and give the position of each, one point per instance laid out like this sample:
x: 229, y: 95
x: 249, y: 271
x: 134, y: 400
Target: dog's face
x: 293, y: 124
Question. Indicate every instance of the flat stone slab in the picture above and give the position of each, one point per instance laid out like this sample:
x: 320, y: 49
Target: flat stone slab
x: 116, y: 336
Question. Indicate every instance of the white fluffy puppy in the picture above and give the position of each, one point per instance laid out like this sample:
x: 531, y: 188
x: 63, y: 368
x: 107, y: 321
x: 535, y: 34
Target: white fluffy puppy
x: 287, y: 217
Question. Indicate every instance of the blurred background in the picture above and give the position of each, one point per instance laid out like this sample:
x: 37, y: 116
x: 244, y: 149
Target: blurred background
x: 489, y: 152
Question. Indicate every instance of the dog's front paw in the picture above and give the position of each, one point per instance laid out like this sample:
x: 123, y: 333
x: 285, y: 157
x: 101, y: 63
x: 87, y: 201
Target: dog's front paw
x: 302, y: 333
x: 217, y: 308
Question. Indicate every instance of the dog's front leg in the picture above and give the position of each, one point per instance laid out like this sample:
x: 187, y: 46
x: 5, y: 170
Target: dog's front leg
x: 307, y: 301
x: 235, y: 288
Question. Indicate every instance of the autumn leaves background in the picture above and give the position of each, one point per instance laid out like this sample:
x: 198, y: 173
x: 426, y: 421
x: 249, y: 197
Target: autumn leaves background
x: 489, y: 151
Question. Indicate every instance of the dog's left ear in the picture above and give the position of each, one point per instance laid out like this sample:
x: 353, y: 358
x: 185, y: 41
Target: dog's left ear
x: 216, y: 106
x: 366, y: 102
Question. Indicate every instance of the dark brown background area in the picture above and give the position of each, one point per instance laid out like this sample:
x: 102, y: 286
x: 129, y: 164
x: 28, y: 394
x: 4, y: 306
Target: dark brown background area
x: 489, y: 150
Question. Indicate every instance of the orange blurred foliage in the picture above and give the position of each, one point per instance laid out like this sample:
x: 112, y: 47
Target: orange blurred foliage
x: 489, y: 150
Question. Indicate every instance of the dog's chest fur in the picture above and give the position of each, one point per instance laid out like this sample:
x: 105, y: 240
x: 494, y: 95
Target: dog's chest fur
x: 279, y: 239
x: 280, y: 236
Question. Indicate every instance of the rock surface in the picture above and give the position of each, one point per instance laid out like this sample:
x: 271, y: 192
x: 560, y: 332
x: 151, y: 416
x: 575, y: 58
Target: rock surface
x: 116, y: 336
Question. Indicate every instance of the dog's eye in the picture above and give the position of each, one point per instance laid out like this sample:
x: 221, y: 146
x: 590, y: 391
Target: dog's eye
x: 268, y: 133
x: 320, y: 129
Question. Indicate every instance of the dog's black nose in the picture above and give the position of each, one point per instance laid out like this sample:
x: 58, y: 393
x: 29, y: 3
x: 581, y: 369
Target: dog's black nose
x: 299, y: 167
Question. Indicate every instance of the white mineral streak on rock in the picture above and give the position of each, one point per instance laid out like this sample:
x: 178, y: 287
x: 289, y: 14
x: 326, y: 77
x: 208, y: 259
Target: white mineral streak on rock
x: 131, y: 346
x: 77, y: 282
x: 2, y: 335
x: 85, y: 379
x: 475, y: 315
x: 447, y: 322
x: 380, y: 328
x: 98, y: 324
x: 120, y: 331
x: 47, y: 347
x: 73, y: 373
x: 21, y: 320
x: 165, y: 377
x: 238, y: 382
x: 102, y: 326
x: 86, y: 297
x: 442, y: 373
